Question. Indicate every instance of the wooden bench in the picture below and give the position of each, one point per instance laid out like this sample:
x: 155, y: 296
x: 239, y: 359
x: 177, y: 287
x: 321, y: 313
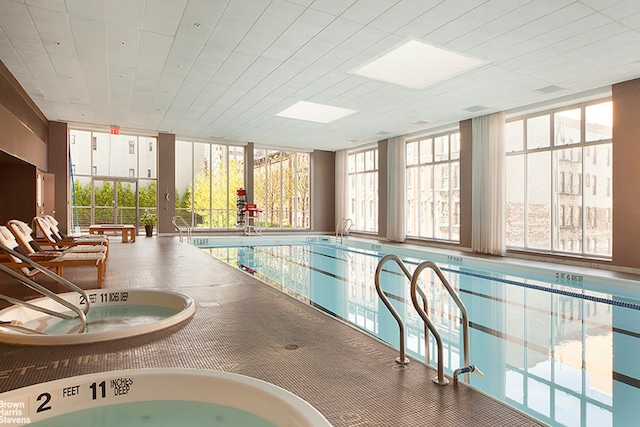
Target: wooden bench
x: 126, y: 230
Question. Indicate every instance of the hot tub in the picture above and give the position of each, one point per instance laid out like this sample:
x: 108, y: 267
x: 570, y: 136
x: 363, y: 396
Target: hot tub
x: 113, y: 314
x: 158, y: 397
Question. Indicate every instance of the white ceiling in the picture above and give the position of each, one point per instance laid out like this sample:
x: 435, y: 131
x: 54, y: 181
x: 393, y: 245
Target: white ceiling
x: 222, y: 69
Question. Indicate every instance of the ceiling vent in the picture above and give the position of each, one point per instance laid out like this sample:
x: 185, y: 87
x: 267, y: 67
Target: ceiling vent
x: 475, y: 108
x: 549, y: 89
x: 383, y: 133
x: 422, y: 122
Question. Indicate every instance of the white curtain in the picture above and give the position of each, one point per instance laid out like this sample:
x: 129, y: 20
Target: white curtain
x: 342, y: 193
x: 488, y: 206
x: 396, y: 199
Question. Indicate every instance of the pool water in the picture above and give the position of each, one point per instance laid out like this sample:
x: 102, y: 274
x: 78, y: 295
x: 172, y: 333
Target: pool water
x: 562, y: 347
x: 103, y: 318
x: 163, y: 413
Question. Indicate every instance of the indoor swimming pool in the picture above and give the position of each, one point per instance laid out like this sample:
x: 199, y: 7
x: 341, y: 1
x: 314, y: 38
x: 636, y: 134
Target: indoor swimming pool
x: 557, y: 343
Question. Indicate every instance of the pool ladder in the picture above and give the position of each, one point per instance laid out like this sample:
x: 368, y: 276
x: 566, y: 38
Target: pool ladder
x: 16, y: 325
x: 422, y: 312
x: 184, y: 224
x: 342, y: 228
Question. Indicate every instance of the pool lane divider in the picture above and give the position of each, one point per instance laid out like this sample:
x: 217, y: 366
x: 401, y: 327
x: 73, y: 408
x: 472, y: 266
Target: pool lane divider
x: 481, y: 328
x: 402, y: 299
x: 610, y: 301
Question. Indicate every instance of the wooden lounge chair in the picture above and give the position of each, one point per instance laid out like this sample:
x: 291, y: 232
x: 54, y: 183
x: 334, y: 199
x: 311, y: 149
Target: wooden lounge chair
x: 50, y: 239
x: 9, y: 240
x: 48, y: 259
x: 23, y: 234
x: 58, y: 235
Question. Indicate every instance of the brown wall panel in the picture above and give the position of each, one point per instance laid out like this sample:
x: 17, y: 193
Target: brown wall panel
x: 626, y: 173
x: 20, y: 142
x: 18, y: 195
x: 58, y: 156
x: 383, y: 148
x: 18, y: 103
x: 323, y: 184
x: 466, y: 182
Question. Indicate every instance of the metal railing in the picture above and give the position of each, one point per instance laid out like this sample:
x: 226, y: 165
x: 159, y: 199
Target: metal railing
x: 343, y: 227
x: 422, y: 312
x: 80, y: 314
x: 390, y: 257
x: 184, y: 223
x: 440, y: 379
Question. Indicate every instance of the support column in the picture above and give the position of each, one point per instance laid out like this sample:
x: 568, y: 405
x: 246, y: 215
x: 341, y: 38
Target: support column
x: 626, y: 173
x: 58, y: 161
x: 166, y: 192
x: 466, y: 183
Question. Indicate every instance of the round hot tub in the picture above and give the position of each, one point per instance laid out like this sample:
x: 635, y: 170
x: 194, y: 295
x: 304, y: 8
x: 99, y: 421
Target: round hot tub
x: 158, y: 397
x: 113, y: 314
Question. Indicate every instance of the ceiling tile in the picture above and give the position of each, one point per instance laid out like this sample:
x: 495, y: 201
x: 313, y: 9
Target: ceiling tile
x: 305, y: 28
x: 123, y: 45
x: 90, y: 38
x: 106, y: 61
x: 365, y: 11
x: 275, y: 20
x: 333, y: 7
x: 90, y: 9
x: 163, y: 16
x: 126, y: 13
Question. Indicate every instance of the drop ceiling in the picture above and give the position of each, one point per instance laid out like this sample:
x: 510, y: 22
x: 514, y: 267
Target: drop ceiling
x: 220, y: 70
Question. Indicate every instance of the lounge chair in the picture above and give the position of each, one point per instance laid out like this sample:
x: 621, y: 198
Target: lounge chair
x: 58, y: 235
x: 51, y: 238
x: 48, y: 259
x: 22, y: 231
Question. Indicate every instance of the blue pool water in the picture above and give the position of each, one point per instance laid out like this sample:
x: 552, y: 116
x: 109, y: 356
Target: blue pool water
x: 163, y: 413
x: 558, y: 344
x: 105, y: 318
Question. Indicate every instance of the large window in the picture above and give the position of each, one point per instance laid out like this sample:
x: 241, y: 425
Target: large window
x: 281, y: 188
x: 114, y: 177
x: 559, y: 195
x: 433, y: 187
x: 207, y: 178
x: 363, y: 190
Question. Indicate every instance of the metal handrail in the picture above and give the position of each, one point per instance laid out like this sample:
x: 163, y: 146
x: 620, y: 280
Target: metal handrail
x: 401, y: 359
x: 341, y: 228
x: 187, y: 226
x: 440, y: 379
x: 81, y: 314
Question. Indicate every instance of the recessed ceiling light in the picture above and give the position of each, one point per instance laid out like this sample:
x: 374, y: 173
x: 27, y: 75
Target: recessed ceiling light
x: 417, y: 65
x: 312, y: 112
x: 383, y: 132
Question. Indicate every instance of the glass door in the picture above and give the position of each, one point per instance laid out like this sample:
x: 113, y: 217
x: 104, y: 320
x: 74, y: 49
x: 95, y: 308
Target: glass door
x: 114, y: 201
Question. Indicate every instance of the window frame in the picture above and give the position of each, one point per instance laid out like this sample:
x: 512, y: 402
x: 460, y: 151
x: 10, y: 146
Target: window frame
x: 365, y: 190
x: 580, y: 184
x: 432, y: 162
